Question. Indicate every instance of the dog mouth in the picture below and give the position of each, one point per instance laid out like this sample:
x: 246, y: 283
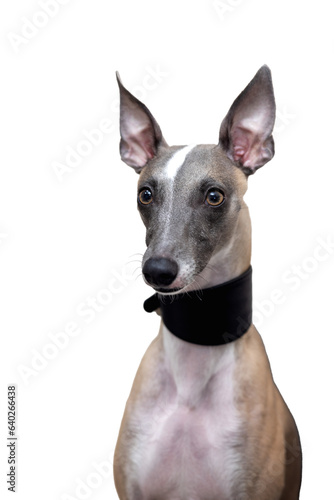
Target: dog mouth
x: 168, y: 291
x: 168, y: 277
x: 175, y: 288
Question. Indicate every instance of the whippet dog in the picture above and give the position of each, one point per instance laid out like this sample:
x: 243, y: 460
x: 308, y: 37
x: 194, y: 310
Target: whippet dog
x: 204, y: 420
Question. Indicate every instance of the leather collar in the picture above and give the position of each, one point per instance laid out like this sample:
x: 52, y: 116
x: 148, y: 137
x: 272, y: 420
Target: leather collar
x: 212, y: 316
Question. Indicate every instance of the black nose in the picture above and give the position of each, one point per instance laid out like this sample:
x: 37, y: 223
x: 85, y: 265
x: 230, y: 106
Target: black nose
x: 159, y: 271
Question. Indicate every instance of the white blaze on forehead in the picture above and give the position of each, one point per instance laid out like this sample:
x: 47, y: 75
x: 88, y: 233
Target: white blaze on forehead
x: 171, y: 169
x: 177, y: 161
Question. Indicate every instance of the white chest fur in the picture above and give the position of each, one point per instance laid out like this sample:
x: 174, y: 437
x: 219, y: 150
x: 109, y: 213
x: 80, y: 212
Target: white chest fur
x: 187, y: 447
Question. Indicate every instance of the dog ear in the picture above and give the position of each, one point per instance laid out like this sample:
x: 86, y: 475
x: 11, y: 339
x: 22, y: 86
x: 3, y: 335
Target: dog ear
x: 140, y: 133
x: 245, y: 133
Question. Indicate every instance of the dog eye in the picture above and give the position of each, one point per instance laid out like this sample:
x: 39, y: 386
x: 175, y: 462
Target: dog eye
x: 145, y: 196
x: 214, y: 198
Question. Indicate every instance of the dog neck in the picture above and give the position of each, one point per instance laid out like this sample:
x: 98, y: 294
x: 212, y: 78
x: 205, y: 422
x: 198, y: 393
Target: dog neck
x: 213, y: 316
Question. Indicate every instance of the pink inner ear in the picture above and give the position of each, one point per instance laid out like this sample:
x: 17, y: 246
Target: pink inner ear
x: 245, y: 132
x: 139, y: 145
x: 249, y: 147
x: 241, y: 140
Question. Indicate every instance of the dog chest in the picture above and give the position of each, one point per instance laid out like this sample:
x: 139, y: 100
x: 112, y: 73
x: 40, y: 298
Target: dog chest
x: 189, y: 453
x: 189, y: 444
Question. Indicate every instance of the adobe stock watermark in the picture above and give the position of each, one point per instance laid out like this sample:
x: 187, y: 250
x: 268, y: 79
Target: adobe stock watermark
x: 3, y: 237
x: 284, y: 118
x: 225, y: 7
x: 86, y: 311
x: 293, y: 278
x: 86, y: 486
x: 94, y: 137
x: 31, y: 28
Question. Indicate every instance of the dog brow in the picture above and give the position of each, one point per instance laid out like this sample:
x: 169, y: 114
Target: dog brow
x: 177, y: 160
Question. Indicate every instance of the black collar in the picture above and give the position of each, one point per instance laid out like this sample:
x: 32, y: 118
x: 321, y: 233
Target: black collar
x: 212, y: 316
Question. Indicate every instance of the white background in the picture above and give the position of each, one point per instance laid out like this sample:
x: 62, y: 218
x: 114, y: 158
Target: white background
x: 63, y: 237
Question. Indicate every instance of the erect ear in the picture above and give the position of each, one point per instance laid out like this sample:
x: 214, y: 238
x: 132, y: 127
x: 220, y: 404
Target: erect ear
x: 245, y: 133
x: 140, y: 134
